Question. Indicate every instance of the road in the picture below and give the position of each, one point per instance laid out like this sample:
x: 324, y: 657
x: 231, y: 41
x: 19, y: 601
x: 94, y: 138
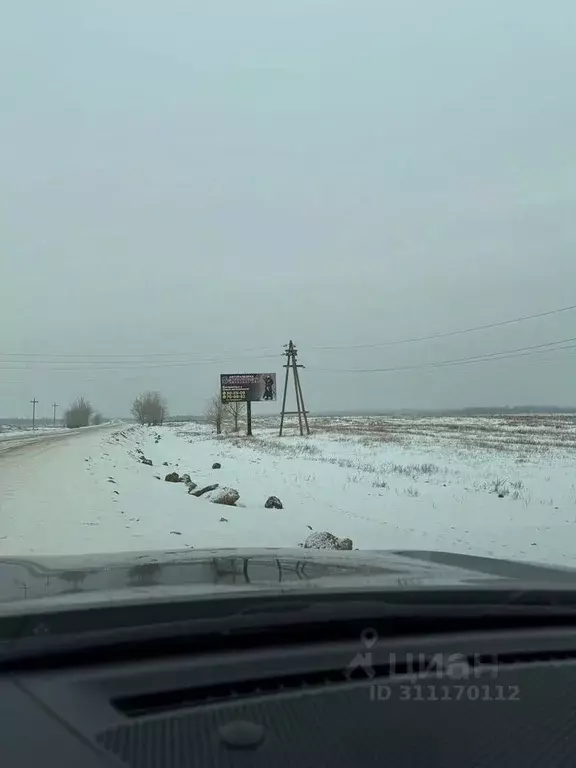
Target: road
x: 24, y: 441
x: 50, y: 499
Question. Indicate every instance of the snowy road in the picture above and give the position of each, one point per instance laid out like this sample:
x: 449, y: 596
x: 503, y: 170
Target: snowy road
x: 20, y: 440
x: 35, y: 474
x: 90, y: 492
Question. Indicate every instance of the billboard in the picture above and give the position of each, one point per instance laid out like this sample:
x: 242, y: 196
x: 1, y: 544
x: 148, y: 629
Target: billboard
x: 247, y: 387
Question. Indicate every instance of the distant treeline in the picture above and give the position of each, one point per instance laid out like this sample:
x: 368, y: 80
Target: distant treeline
x: 470, y: 411
x: 495, y: 410
x: 510, y: 409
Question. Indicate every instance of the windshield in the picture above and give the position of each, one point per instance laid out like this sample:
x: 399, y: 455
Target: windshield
x: 294, y: 275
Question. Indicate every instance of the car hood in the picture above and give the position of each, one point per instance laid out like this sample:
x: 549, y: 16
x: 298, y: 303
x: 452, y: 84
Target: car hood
x: 184, y: 573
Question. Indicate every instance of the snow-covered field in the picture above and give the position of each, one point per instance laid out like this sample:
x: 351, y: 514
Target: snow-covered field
x: 502, y: 487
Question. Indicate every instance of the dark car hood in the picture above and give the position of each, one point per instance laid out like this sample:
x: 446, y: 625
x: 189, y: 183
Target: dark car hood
x: 96, y: 579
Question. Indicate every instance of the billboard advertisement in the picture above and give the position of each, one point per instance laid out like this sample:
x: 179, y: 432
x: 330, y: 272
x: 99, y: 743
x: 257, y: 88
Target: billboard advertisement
x: 247, y: 387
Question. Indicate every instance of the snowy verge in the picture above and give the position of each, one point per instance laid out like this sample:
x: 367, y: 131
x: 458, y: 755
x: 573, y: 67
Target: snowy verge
x: 94, y: 494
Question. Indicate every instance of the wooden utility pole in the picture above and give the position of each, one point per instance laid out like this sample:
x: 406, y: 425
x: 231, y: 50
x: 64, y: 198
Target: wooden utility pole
x: 34, y: 404
x: 292, y: 365
x: 54, y: 406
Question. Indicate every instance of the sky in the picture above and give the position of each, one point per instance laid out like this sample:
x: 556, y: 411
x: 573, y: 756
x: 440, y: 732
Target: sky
x: 187, y: 186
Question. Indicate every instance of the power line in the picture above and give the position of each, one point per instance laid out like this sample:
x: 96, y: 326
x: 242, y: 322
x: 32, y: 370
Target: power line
x: 84, y: 365
x: 503, y: 355
x: 269, y: 352
x: 77, y: 357
x: 450, y: 333
x: 495, y: 356
x: 529, y: 351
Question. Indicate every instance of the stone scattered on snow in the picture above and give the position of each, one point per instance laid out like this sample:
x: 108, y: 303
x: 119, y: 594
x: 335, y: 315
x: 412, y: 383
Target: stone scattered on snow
x: 326, y: 540
x: 146, y: 461
x: 216, y: 465
x: 172, y: 477
x: 206, y: 489
x: 223, y: 520
x: 191, y: 486
x: 273, y: 502
x: 185, y: 479
x: 228, y: 496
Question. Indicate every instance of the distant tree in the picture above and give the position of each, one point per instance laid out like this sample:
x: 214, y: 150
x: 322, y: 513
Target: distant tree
x: 234, y: 411
x: 97, y: 419
x: 78, y: 414
x: 215, y: 413
x: 150, y: 408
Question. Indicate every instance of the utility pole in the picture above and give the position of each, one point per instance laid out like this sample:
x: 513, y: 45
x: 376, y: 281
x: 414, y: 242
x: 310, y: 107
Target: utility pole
x: 54, y: 406
x: 292, y: 365
x: 34, y: 404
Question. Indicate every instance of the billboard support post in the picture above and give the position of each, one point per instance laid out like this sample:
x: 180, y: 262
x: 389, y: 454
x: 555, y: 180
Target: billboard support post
x: 249, y: 418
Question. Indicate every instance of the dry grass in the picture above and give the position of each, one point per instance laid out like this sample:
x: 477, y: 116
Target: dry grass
x: 521, y: 435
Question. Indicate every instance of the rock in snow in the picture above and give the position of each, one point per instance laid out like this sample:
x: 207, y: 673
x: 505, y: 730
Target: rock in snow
x: 172, y: 477
x: 146, y: 461
x: 228, y: 496
x: 216, y: 465
x: 326, y: 540
x: 273, y: 502
x: 185, y: 479
x: 204, y: 490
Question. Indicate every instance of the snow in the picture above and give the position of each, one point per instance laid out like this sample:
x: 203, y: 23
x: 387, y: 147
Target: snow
x: 25, y: 432
x: 384, y: 483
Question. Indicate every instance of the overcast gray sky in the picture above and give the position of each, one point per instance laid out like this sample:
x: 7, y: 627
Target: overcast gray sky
x: 199, y: 180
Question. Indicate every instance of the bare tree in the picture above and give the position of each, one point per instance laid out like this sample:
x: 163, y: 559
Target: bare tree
x: 78, y: 414
x: 234, y: 411
x: 150, y: 408
x: 215, y: 413
x: 138, y: 410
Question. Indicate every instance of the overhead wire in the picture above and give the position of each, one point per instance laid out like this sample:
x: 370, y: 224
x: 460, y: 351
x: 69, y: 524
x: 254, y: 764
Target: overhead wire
x: 90, y: 357
x: 446, y: 334
x: 143, y: 356
x: 77, y: 365
x: 502, y: 355
x: 72, y: 362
